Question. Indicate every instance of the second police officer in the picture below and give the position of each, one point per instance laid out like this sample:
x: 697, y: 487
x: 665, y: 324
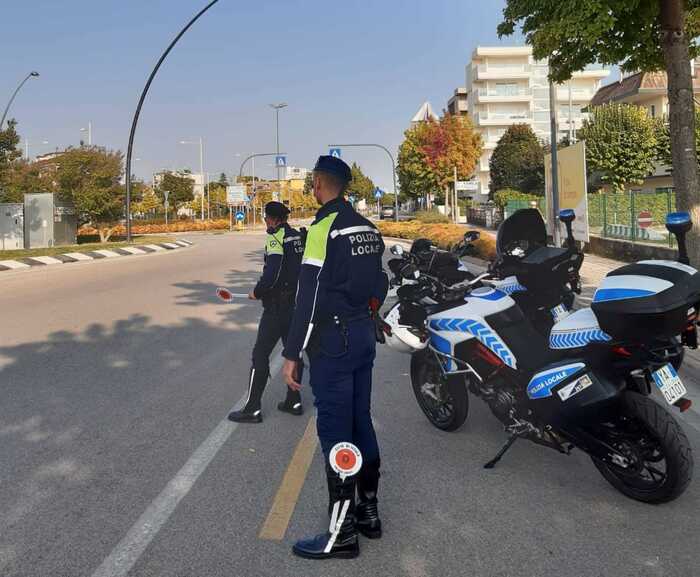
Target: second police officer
x: 341, y: 282
x: 276, y: 289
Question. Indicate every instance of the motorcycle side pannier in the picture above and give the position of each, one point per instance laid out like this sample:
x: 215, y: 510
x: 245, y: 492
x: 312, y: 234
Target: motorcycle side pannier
x: 647, y: 300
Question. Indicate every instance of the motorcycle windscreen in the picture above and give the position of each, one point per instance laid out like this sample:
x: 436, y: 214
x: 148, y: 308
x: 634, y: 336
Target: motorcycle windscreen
x: 524, y: 228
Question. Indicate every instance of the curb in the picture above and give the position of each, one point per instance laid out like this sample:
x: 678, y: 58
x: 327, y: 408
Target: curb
x: 69, y: 257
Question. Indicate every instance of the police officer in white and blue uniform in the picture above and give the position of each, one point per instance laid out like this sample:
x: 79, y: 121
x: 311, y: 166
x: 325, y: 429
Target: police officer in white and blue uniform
x: 341, y: 283
x: 276, y: 289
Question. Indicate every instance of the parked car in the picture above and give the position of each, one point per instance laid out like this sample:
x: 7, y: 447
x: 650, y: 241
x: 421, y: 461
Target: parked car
x: 387, y: 212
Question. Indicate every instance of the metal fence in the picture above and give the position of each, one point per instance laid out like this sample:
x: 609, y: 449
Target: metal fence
x: 635, y: 216
x: 486, y: 216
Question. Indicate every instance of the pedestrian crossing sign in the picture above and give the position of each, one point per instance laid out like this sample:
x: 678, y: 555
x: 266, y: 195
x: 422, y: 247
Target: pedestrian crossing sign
x: 335, y: 152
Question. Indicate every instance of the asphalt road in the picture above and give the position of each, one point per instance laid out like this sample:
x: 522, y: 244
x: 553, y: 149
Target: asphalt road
x: 115, y: 458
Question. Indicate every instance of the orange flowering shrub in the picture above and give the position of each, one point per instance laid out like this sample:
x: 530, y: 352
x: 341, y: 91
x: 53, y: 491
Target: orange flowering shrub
x: 177, y: 226
x: 443, y: 235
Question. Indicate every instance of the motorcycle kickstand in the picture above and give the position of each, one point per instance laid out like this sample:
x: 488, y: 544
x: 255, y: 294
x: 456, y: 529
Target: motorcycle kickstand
x: 509, y: 443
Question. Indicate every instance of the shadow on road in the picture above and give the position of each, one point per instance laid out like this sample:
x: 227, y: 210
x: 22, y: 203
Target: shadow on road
x: 94, y: 423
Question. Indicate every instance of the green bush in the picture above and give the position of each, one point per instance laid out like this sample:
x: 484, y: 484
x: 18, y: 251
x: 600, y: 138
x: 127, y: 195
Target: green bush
x: 431, y: 217
x: 503, y: 196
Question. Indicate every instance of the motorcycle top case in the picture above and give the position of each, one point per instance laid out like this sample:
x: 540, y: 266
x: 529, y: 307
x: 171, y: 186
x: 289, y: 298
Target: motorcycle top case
x: 570, y: 391
x: 646, y: 300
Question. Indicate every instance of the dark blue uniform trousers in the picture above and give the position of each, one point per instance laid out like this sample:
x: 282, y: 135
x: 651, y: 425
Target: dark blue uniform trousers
x: 341, y: 380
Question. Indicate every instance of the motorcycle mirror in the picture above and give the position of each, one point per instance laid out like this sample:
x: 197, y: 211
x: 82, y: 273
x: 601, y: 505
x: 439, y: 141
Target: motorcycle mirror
x: 472, y: 236
x: 396, y: 250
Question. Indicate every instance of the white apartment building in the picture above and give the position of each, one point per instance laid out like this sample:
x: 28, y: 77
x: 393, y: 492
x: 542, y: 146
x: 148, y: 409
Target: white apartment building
x: 506, y: 86
x: 295, y: 173
x: 458, y: 105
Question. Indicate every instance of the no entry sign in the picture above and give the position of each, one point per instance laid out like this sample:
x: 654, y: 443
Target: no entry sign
x: 644, y: 219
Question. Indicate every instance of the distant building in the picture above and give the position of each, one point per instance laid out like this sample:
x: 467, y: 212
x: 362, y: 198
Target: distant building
x: 425, y: 113
x: 506, y: 86
x: 650, y: 91
x: 196, y: 177
x: 646, y: 89
x: 458, y: 105
x: 295, y: 173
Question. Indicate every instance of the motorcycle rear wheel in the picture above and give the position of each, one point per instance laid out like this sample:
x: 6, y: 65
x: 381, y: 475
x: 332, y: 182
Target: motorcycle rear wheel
x: 444, y: 400
x: 661, y: 460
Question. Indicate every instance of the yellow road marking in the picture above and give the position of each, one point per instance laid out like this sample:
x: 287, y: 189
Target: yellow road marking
x: 287, y: 495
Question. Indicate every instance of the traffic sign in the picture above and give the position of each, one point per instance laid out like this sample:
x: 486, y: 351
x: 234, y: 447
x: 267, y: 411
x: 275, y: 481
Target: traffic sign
x: 280, y: 161
x: 335, y: 152
x: 644, y: 219
x: 467, y: 185
x: 240, y: 215
x: 378, y: 192
x: 235, y: 194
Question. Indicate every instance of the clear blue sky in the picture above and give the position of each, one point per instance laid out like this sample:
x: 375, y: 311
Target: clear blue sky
x: 353, y: 70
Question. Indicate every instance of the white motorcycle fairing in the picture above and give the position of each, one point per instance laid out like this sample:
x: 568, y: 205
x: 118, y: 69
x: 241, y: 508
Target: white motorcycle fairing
x: 461, y: 323
x: 577, y: 330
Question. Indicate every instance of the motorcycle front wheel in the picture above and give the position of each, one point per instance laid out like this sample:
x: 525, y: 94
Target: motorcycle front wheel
x: 444, y: 400
x: 659, y: 460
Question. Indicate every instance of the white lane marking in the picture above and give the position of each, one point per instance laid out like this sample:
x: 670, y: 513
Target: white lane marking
x: 155, y: 247
x: 14, y: 264
x: 46, y: 259
x: 79, y: 256
x: 133, y: 250
x: 127, y: 552
x: 171, y: 244
x: 107, y: 253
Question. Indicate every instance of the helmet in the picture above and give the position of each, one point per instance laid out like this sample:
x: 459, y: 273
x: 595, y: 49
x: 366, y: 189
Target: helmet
x: 405, y: 337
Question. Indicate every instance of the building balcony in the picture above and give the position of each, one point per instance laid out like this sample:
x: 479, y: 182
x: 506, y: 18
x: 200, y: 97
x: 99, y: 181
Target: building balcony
x: 523, y: 95
x: 486, y: 72
x: 495, y: 119
x: 577, y: 94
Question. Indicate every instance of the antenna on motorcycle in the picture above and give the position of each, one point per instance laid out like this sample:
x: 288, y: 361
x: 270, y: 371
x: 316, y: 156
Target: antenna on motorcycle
x: 679, y: 223
x: 567, y: 216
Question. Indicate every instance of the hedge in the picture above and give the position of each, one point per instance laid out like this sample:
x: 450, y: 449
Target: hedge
x: 443, y: 235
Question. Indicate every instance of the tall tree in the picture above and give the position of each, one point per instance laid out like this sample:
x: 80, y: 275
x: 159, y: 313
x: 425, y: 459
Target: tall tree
x: 180, y: 189
x: 89, y: 178
x: 223, y: 181
x: 517, y: 161
x: 639, y: 34
x: 9, y: 139
x: 309, y: 183
x: 431, y: 151
x: 23, y: 177
x: 360, y: 186
x: 621, y: 144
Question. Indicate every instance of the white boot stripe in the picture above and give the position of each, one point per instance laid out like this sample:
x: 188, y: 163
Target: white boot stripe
x: 339, y: 524
x: 334, y: 516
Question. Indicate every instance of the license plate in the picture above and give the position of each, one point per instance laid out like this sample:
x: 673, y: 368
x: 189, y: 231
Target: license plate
x: 560, y: 312
x: 669, y: 383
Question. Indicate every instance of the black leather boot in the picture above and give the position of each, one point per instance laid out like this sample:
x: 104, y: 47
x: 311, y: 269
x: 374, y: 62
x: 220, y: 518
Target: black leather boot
x: 340, y: 541
x: 366, y: 513
x: 251, y: 413
x: 292, y: 404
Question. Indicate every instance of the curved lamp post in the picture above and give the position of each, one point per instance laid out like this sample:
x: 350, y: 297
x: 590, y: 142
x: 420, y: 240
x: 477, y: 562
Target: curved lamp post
x: 138, y: 112
x: 32, y: 74
x: 393, y: 170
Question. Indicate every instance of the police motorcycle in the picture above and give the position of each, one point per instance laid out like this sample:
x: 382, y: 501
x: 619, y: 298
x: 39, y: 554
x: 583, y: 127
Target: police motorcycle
x: 542, y: 279
x: 588, y: 385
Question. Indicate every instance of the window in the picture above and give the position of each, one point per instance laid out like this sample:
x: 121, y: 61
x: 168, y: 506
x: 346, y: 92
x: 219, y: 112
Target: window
x: 652, y: 109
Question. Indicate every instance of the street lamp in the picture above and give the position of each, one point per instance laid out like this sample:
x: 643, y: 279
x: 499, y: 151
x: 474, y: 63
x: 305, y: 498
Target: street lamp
x: 4, y: 114
x: 277, y: 108
x: 240, y: 172
x: 89, y: 132
x: 135, y: 121
x: 201, y: 164
x: 393, y: 170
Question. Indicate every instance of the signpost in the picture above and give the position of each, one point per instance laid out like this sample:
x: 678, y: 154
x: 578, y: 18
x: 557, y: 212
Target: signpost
x: 644, y: 219
x: 240, y: 217
x: 572, y: 188
x: 280, y: 161
x: 166, y: 194
x: 378, y: 193
x: 467, y: 186
x: 335, y: 152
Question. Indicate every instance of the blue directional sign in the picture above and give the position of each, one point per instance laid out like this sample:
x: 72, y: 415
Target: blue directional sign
x: 240, y: 215
x: 334, y: 152
x: 280, y: 160
x: 378, y: 192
